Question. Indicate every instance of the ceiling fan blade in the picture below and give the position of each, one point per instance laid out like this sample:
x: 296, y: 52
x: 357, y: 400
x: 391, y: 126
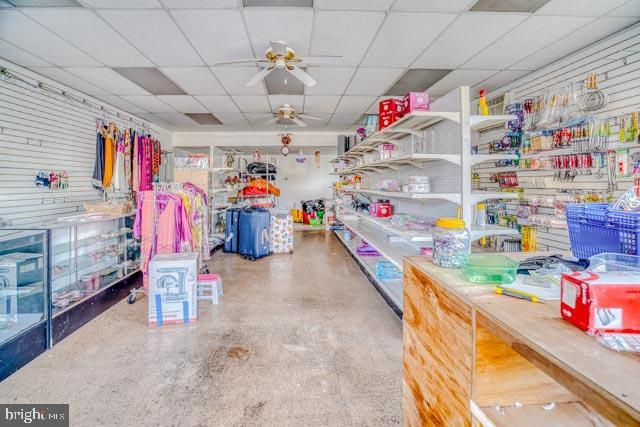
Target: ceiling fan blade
x: 298, y: 122
x: 304, y: 116
x: 305, y: 78
x: 322, y: 60
x: 278, y: 47
x: 261, y: 116
x: 275, y: 119
x: 260, y: 76
x: 241, y: 61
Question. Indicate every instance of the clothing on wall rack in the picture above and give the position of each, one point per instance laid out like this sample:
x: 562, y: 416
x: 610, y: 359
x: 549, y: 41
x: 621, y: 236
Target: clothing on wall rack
x: 127, y: 159
x: 171, y: 218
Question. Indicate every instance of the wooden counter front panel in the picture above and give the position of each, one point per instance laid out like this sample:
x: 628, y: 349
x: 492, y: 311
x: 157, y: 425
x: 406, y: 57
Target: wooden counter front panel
x: 437, y: 361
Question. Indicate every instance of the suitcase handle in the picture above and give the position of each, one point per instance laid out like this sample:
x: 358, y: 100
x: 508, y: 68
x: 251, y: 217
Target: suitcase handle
x: 265, y: 235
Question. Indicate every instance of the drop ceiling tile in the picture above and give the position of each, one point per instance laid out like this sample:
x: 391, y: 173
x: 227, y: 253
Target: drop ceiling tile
x: 108, y: 79
x: 179, y: 120
x: 87, y: 31
x: 432, y: 5
x: 497, y: 81
x: 320, y: 104
x: 294, y: 100
x: 331, y: 81
x: 155, y: 35
x: 596, y: 30
x: 183, y: 103
x: 547, y: 29
x: 150, y: 103
x: 311, y: 123
x: 122, y: 104
x: 404, y: 36
x: 194, y: 80
x: 234, y: 80
x: 218, y: 104
x: 373, y: 81
x: 19, y: 56
x: 344, y: 33
x: 68, y: 79
x: 344, y: 119
x: 200, y: 4
x: 218, y: 35
x: 353, y: 4
x: 579, y: 7
x: 632, y: 8
x: 123, y: 4
x: 292, y: 26
x: 354, y: 104
x: 4, y: 4
x: 232, y: 119
x: 454, y: 46
x: 252, y: 104
x: 459, y: 78
x: 25, y: 33
x: 152, y: 118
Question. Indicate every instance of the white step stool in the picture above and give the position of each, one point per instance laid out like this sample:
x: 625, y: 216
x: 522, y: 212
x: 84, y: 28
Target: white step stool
x: 209, y: 283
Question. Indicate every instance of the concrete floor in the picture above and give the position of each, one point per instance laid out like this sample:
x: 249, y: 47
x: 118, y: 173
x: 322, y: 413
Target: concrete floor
x: 300, y: 340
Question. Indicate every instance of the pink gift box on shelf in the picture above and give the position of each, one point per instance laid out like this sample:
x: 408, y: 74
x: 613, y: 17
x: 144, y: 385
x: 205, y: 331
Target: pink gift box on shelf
x: 416, y: 101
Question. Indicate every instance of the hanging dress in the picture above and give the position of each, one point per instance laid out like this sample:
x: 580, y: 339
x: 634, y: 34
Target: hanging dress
x: 127, y: 157
x: 98, y: 166
x: 109, y: 151
x: 135, y: 164
x: 119, y: 177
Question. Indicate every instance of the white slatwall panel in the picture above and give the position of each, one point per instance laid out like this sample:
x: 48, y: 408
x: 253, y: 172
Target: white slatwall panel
x: 619, y: 79
x: 40, y: 129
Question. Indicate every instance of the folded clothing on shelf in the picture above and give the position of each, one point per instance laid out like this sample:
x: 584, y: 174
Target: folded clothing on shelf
x: 366, y: 250
x: 387, y: 271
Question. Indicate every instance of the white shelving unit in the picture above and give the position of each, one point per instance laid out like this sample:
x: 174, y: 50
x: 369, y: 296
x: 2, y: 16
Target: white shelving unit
x: 448, y: 163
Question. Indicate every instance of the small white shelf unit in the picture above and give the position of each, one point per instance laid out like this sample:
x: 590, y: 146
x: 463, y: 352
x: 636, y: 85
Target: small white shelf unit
x: 437, y: 144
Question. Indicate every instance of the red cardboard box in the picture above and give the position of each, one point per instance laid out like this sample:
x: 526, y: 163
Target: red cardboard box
x: 390, y: 110
x: 604, y: 301
x: 415, y: 101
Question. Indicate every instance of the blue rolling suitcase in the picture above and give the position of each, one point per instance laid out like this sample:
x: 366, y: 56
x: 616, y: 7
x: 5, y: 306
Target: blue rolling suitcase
x: 231, y: 236
x: 254, y: 233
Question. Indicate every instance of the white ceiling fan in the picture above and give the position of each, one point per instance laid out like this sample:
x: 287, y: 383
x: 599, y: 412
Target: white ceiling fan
x: 281, y: 56
x: 287, y: 112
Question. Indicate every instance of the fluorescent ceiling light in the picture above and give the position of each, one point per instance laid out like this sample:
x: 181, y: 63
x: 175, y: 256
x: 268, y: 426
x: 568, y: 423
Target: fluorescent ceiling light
x: 204, y: 118
x: 152, y: 80
x: 281, y: 82
x: 528, y: 6
x: 43, y: 3
x: 416, y: 80
x: 277, y: 3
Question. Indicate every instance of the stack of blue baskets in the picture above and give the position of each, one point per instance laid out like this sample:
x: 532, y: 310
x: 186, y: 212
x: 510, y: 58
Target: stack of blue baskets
x: 595, y: 228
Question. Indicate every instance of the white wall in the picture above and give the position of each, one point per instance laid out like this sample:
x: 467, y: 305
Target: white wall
x: 304, y: 181
x: 297, y: 182
x: 42, y: 129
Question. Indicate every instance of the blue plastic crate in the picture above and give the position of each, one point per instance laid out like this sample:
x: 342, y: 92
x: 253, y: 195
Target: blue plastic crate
x: 595, y: 228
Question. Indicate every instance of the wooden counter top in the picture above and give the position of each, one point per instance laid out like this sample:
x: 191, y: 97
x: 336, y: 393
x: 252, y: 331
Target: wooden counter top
x: 607, y: 381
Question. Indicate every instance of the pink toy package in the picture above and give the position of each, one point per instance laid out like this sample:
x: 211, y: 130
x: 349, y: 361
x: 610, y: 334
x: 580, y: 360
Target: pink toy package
x: 416, y: 101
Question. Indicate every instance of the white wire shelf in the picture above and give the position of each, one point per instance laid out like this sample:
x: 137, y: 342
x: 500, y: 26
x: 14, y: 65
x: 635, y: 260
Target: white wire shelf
x: 483, y: 123
x: 386, y: 226
x: 221, y: 170
x: 394, y: 163
x: 452, y: 197
x: 479, y: 158
x: 394, y: 252
x: 492, y: 230
x: 221, y: 190
x: 480, y: 196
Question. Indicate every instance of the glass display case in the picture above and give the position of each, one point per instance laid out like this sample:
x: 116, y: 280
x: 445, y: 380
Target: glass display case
x: 58, y: 275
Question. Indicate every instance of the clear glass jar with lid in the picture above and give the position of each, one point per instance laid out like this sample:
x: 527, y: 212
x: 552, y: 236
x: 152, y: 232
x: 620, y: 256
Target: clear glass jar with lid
x: 451, y: 242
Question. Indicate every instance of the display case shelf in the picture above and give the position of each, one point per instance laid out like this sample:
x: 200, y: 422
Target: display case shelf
x: 481, y: 196
x: 386, y: 226
x: 451, y: 197
x: 479, y: 158
x: 484, y: 123
x: 492, y: 230
x: 394, y: 252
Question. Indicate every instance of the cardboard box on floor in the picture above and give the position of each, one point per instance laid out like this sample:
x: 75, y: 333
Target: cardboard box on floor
x: 172, y: 288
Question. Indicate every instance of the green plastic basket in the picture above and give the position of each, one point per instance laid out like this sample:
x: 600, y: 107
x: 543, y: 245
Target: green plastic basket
x: 490, y: 269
